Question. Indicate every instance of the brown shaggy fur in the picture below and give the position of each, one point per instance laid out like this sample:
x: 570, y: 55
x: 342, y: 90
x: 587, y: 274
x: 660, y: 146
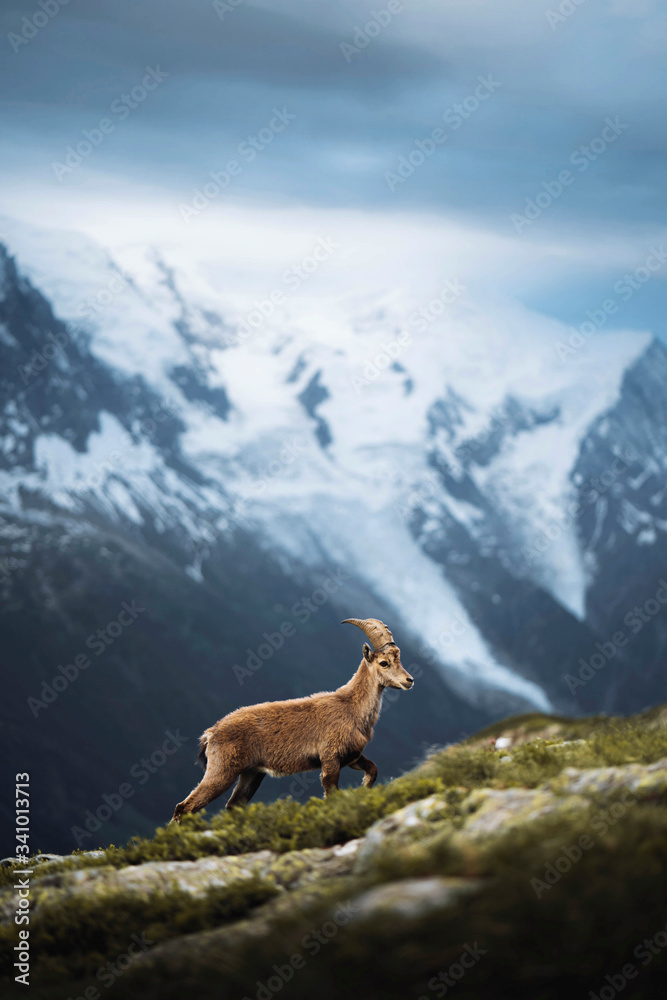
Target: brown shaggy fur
x: 327, y: 730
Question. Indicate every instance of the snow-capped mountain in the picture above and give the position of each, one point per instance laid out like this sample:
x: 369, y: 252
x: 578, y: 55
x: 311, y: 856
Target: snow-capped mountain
x: 459, y: 469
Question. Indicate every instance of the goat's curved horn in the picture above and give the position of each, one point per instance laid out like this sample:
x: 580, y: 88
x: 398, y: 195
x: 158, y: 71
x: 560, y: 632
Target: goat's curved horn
x: 377, y: 631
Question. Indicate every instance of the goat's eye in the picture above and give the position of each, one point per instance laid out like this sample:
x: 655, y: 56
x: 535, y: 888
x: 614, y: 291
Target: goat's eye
x: 383, y: 663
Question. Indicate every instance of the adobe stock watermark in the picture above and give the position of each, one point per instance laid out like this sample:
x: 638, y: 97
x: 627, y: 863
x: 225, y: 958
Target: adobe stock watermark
x: 98, y: 642
x: 445, y: 640
x: 121, y: 108
x: 301, y: 786
x: 32, y: 24
x: 625, y: 288
x: 635, y: 620
x: 40, y: 359
x: 430, y: 486
x: 247, y: 151
x: 302, y: 611
x: 390, y: 351
x: 114, y: 463
x: 601, y: 823
x: 113, y: 801
x: 94, y: 479
x: 286, y: 456
x: 454, y: 118
x: 159, y: 414
x: 224, y: 7
x: 551, y: 190
x: 565, y: 10
x: 108, y: 973
x: 292, y: 278
x: 100, y: 300
x: 574, y: 509
x: 56, y: 343
x: 562, y: 864
x: 8, y: 565
x: 445, y: 980
x: 295, y: 275
x: 421, y: 318
x: 364, y: 34
x: 392, y: 696
x: 311, y: 943
x: 645, y: 952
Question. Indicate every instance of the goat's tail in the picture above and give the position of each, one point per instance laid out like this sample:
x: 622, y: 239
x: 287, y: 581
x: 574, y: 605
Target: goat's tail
x: 203, y: 743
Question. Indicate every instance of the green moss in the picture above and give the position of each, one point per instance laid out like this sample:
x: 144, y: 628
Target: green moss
x: 285, y: 825
x: 612, y: 742
x: 541, y: 940
x: 86, y: 930
x: 535, y: 722
x: 541, y: 943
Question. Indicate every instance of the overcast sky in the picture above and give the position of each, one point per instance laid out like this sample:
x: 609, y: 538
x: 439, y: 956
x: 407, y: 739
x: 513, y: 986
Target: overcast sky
x: 519, y: 91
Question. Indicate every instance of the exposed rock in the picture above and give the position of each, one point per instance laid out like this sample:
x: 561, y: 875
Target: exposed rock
x: 644, y: 780
x: 402, y: 827
x: 412, y: 880
x: 39, y: 859
x: 294, y: 869
x: 494, y: 812
x: 412, y: 898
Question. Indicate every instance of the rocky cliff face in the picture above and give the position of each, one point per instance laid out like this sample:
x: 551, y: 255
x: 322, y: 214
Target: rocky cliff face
x: 620, y: 473
x: 167, y: 444
x: 102, y: 512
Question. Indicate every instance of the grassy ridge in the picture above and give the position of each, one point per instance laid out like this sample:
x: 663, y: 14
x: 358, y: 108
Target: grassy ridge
x: 544, y: 939
x: 286, y: 825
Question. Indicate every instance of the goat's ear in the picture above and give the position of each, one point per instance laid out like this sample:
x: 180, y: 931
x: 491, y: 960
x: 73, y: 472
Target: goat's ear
x: 368, y: 653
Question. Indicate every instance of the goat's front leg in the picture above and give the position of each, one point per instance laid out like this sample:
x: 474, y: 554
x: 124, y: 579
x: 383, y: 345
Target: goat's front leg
x: 329, y: 776
x: 365, y: 764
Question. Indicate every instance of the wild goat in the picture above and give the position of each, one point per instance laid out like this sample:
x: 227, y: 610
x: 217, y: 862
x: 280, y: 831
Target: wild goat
x: 326, y: 730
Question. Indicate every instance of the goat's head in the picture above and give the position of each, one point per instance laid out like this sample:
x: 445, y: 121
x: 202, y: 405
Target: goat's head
x: 383, y: 656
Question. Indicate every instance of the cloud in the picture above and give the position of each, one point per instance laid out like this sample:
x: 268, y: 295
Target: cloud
x: 357, y: 118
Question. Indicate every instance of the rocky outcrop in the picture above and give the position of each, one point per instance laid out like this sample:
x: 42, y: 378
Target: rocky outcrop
x: 480, y: 816
x: 535, y: 833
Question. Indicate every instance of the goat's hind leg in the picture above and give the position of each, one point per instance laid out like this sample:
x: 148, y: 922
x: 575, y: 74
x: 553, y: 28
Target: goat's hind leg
x: 248, y: 783
x: 365, y: 764
x: 217, y: 780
